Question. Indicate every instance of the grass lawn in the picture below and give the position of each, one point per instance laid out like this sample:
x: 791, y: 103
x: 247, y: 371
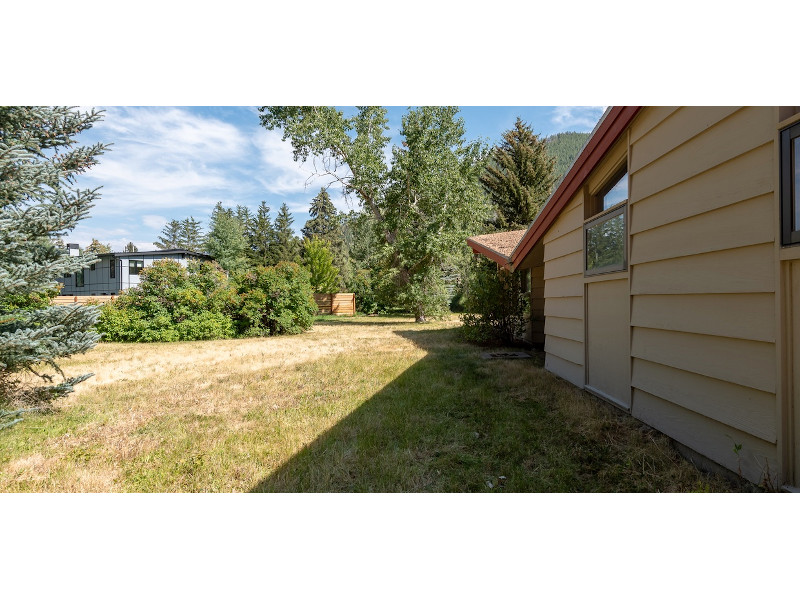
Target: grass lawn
x: 356, y: 404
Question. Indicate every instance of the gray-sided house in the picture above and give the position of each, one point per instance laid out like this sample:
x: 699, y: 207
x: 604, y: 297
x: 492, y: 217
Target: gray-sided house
x: 665, y: 276
x: 118, y: 271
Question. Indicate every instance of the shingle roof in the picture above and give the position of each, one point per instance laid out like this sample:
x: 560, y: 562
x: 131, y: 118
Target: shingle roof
x: 502, y: 244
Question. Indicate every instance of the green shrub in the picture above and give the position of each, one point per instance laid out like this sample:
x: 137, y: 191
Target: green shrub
x: 495, y: 309
x: 174, y: 303
x: 366, y: 298
x: 206, y: 325
x: 275, y: 300
x: 171, y: 303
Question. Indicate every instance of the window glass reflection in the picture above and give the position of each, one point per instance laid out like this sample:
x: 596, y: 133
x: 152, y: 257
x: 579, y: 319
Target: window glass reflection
x: 605, y: 244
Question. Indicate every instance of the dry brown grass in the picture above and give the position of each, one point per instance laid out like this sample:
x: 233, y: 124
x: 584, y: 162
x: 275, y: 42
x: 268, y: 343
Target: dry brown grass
x: 354, y: 404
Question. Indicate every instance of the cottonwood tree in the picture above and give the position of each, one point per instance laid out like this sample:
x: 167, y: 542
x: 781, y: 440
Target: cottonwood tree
x: 39, y: 203
x: 519, y: 177
x: 423, y: 205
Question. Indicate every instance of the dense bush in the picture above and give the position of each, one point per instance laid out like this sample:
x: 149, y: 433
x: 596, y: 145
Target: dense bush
x: 496, y: 310
x: 172, y: 303
x: 274, y: 300
x: 366, y: 299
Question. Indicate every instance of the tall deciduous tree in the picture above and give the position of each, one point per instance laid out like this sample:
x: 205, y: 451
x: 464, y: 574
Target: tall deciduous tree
x: 39, y: 202
x: 225, y: 240
x: 423, y: 206
x: 518, y: 177
x: 130, y: 247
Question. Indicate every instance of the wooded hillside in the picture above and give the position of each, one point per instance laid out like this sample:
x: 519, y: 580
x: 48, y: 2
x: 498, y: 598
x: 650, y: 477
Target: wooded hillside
x: 565, y: 147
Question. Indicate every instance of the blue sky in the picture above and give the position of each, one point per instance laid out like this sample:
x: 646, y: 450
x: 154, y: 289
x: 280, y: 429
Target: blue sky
x: 174, y: 162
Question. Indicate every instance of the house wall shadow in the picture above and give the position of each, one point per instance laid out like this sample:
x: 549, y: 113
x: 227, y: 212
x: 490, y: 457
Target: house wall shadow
x: 424, y: 431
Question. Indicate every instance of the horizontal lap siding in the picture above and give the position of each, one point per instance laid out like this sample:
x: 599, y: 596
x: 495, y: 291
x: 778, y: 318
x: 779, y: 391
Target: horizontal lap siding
x: 709, y: 437
x: 701, y: 223
x: 563, y: 292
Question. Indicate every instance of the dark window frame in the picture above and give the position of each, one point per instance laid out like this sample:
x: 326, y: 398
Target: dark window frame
x: 80, y: 279
x: 137, y: 268
x: 112, y: 270
x: 601, y: 216
x: 790, y: 235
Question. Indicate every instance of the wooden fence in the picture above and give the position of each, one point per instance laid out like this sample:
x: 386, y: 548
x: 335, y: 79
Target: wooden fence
x: 336, y: 304
x: 82, y: 299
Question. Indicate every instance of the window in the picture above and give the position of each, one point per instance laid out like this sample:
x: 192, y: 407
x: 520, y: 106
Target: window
x: 604, y: 235
x: 112, y: 271
x: 790, y: 184
x: 91, y: 267
x: 135, y: 266
x: 79, y: 278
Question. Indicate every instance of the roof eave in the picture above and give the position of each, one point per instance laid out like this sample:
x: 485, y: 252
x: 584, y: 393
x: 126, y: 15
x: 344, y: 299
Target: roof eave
x: 478, y: 248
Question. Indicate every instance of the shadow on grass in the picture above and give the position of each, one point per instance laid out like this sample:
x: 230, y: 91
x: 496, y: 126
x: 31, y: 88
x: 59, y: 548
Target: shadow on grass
x: 452, y: 422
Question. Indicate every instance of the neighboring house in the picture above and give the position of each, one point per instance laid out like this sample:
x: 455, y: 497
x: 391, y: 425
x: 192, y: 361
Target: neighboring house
x: 118, y: 271
x: 664, y: 271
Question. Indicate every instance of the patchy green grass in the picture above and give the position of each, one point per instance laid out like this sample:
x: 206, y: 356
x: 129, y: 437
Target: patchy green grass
x: 356, y: 404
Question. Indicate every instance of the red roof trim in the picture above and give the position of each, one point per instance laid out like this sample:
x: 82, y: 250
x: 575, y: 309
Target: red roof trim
x: 607, y: 133
x: 478, y: 248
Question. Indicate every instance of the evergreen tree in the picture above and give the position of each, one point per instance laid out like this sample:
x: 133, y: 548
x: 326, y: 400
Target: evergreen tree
x: 170, y: 236
x: 191, y: 235
x: 129, y: 247
x: 97, y: 248
x: 261, y: 237
x: 519, y: 177
x: 39, y: 162
x: 226, y: 241
x: 324, y: 221
x: 318, y: 259
x: 287, y: 246
x: 326, y: 224
x: 244, y: 216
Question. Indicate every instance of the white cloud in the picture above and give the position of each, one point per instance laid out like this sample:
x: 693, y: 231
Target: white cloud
x: 164, y: 158
x: 156, y: 222
x: 579, y: 118
x: 282, y: 174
